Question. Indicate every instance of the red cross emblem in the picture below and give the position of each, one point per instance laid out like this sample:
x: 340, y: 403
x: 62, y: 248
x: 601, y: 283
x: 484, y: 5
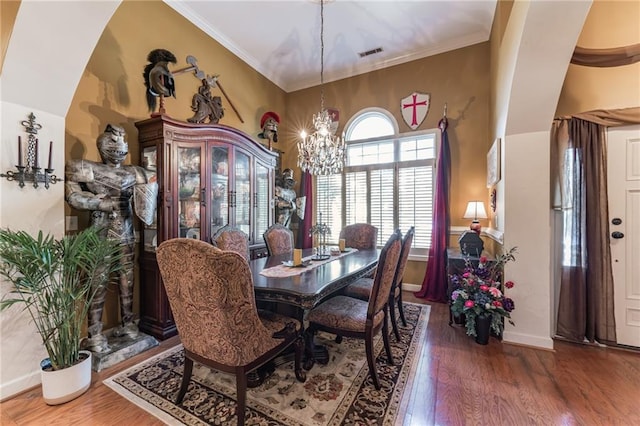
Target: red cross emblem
x: 414, y: 109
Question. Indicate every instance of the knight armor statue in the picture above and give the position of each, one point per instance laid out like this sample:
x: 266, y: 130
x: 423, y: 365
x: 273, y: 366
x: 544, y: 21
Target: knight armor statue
x: 286, y: 201
x: 112, y: 191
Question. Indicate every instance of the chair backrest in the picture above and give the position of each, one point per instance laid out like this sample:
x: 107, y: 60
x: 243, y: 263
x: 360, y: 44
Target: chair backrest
x: 385, y: 274
x: 361, y: 236
x: 279, y: 239
x: 231, y: 238
x: 211, y: 295
x: 404, y: 256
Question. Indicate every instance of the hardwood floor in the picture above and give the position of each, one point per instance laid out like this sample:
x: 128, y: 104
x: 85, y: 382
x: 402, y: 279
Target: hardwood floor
x: 458, y: 382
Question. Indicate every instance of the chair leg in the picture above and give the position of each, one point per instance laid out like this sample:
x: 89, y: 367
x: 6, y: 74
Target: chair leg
x: 392, y: 315
x: 401, y: 310
x: 385, y: 339
x: 371, y: 361
x: 186, y: 378
x: 241, y: 395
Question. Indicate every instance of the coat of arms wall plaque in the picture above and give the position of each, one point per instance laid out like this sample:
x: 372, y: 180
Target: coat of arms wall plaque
x: 414, y: 108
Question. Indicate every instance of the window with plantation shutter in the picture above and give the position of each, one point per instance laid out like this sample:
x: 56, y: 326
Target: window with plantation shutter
x: 329, y: 204
x: 382, y: 188
x: 415, y: 207
x: 388, y: 181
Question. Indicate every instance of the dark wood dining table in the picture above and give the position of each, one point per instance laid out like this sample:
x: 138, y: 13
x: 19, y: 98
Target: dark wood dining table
x: 305, y: 290
x: 312, y: 286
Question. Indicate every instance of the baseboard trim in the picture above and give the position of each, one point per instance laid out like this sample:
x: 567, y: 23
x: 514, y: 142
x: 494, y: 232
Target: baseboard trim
x: 411, y: 287
x: 528, y: 340
x: 21, y: 384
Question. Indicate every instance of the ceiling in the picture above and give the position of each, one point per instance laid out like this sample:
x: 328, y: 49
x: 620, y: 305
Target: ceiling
x: 281, y: 39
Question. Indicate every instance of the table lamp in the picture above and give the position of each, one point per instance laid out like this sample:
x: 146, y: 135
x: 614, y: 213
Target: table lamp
x: 475, y: 210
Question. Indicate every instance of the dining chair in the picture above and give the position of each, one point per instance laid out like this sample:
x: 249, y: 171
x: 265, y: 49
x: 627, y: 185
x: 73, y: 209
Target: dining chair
x: 361, y: 288
x: 360, y: 236
x: 350, y: 317
x: 231, y: 238
x: 211, y: 295
x: 279, y: 239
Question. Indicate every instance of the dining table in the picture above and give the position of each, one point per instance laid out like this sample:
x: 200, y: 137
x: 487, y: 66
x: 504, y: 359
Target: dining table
x: 305, y: 286
x: 277, y: 282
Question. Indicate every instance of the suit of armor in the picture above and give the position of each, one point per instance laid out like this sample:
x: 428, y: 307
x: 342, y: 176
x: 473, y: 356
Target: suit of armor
x: 107, y: 190
x: 286, y: 200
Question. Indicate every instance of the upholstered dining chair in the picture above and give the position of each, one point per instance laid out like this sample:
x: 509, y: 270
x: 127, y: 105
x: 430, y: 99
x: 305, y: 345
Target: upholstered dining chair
x: 211, y: 295
x: 350, y: 317
x: 360, y: 236
x: 361, y: 288
x: 279, y: 239
x: 231, y: 238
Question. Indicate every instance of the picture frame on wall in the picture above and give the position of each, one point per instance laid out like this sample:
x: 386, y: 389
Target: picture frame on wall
x: 493, y: 164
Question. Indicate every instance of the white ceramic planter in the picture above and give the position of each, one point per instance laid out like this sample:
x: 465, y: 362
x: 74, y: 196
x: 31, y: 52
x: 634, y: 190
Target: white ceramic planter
x: 62, y: 386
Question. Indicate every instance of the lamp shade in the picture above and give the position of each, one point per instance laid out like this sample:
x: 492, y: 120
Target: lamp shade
x: 475, y: 210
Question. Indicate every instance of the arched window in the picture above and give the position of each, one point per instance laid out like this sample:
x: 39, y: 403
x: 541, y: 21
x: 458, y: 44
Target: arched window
x: 370, y: 123
x: 387, y: 181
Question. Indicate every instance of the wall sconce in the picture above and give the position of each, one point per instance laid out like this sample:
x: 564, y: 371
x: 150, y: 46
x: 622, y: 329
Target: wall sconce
x: 31, y: 171
x: 475, y: 210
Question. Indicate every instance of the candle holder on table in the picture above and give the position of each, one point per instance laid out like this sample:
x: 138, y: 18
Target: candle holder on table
x: 320, y: 230
x: 31, y: 172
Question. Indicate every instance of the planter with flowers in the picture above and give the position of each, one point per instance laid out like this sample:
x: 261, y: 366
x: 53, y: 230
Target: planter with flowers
x: 478, y: 295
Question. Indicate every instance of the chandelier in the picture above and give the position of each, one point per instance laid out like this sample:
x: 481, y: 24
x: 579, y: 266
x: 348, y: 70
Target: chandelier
x: 322, y: 152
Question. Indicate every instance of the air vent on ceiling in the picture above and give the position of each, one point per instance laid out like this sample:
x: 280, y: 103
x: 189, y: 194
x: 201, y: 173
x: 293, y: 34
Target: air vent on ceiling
x: 370, y: 52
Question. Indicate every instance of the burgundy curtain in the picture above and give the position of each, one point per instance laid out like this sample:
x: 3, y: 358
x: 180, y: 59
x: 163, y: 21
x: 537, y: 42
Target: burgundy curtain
x: 434, y: 285
x: 306, y: 189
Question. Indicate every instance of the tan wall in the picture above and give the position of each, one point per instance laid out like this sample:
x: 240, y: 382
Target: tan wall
x: 112, y: 91
x: 609, y: 24
x: 459, y: 78
x: 112, y: 88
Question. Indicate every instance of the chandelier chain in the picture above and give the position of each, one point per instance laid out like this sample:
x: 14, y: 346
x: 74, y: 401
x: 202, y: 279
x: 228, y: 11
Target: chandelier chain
x: 322, y: 152
x: 321, y: 55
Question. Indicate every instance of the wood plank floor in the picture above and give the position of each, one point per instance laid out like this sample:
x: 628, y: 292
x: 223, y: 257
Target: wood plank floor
x: 458, y: 383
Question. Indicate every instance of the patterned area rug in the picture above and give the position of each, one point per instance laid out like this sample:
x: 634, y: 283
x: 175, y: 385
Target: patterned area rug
x: 339, y: 393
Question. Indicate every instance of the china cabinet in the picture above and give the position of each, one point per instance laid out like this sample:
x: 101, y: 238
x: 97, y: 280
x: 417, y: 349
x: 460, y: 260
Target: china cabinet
x: 209, y: 175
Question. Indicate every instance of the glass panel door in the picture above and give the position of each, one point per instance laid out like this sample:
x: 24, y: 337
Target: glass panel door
x: 242, y: 193
x: 262, y: 202
x: 150, y: 164
x: 189, y: 191
x: 219, y: 188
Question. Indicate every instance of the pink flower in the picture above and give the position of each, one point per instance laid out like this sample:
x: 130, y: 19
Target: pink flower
x: 483, y: 259
x: 484, y: 287
x: 497, y: 303
x: 495, y: 292
x: 466, y: 274
x: 509, y: 284
x: 468, y: 304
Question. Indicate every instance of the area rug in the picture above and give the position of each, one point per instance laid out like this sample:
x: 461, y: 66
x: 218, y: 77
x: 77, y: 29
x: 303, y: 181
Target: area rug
x: 338, y: 393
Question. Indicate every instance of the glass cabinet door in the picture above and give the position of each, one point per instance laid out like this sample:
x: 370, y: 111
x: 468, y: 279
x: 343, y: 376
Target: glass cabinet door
x: 242, y: 193
x: 190, y: 196
x: 262, y: 203
x: 150, y: 164
x: 219, y: 188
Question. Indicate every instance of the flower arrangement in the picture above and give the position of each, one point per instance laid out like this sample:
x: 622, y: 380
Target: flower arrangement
x: 477, y: 293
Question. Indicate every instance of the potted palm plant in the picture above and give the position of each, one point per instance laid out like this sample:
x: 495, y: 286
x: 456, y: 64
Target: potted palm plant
x: 56, y: 280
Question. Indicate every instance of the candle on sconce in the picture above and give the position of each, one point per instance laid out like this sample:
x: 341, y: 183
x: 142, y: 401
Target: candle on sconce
x: 19, y: 151
x: 36, y: 159
x: 50, y: 155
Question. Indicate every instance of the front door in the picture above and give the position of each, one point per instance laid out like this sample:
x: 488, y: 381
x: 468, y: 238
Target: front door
x: 624, y: 226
